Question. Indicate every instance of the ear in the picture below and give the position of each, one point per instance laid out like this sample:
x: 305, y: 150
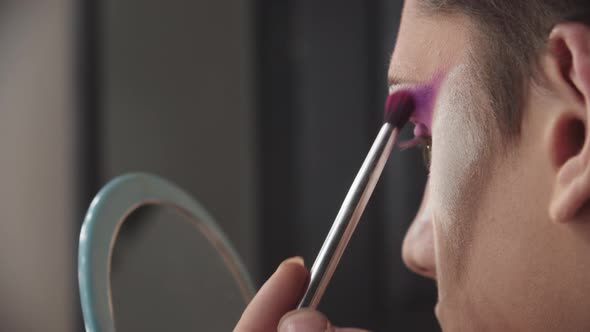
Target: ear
x: 566, y: 66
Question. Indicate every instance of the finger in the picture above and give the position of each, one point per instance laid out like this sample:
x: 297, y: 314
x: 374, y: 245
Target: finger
x: 279, y: 294
x: 308, y: 320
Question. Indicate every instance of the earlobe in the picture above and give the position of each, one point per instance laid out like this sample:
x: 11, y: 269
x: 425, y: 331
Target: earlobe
x: 571, y: 191
x: 566, y: 69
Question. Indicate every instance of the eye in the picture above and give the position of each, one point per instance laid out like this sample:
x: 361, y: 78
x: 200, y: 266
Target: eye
x: 426, y: 145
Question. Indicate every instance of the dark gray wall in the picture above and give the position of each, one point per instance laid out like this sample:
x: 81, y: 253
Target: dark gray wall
x: 176, y: 101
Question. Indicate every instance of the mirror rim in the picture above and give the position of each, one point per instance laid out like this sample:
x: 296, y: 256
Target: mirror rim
x: 107, y: 212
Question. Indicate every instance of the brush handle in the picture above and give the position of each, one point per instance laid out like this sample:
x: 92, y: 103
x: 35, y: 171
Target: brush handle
x: 349, y: 215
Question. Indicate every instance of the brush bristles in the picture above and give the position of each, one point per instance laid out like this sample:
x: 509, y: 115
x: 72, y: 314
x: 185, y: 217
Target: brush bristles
x: 399, y: 107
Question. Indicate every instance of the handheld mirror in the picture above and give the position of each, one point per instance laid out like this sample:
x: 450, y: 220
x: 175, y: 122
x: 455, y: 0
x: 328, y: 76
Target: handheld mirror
x: 152, y: 259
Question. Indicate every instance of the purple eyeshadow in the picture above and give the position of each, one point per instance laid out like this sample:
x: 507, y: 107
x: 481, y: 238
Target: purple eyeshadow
x: 424, y: 97
x: 421, y: 117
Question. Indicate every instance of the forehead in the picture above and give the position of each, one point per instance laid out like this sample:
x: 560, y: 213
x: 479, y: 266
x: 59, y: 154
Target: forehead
x: 427, y: 44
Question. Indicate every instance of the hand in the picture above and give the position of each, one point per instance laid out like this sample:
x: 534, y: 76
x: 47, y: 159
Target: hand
x: 269, y: 310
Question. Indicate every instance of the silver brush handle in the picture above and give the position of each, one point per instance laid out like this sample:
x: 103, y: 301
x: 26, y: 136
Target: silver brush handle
x: 349, y: 215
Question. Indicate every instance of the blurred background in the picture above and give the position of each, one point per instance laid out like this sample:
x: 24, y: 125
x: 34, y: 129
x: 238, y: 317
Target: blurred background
x: 262, y: 110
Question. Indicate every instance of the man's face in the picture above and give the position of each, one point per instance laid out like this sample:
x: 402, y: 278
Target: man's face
x: 483, y: 230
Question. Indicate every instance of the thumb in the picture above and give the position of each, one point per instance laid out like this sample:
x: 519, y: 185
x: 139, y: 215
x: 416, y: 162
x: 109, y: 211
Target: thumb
x: 308, y: 320
x: 278, y: 295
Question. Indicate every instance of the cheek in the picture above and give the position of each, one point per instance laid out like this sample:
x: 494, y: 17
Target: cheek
x: 457, y: 154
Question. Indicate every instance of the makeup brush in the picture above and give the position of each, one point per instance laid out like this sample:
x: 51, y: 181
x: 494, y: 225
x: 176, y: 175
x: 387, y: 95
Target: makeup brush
x: 399, y: 107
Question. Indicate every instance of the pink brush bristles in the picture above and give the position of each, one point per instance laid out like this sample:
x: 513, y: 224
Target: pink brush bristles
x: 399, y: 108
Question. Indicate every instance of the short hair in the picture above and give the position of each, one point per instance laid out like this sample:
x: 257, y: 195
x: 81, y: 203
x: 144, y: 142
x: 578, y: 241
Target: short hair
x: 509, y: 37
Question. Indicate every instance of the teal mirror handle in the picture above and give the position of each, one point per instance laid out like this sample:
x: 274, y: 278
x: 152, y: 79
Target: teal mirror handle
x: 102, y: 222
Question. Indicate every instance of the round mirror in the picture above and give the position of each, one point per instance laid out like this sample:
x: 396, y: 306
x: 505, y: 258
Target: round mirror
x: 151, y: 259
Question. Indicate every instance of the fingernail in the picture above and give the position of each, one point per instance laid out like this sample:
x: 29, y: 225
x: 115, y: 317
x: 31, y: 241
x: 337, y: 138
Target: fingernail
x: 304, y: 321
x: 294, y: 260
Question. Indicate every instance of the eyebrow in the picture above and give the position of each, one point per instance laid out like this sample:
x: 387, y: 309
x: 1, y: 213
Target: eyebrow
x: 394, y: 80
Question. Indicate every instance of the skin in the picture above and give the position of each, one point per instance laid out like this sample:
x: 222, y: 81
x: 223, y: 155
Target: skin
x: 504, y: 226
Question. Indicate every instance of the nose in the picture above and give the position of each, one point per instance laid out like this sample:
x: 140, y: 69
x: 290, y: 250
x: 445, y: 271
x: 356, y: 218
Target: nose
x: 418, y: 245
